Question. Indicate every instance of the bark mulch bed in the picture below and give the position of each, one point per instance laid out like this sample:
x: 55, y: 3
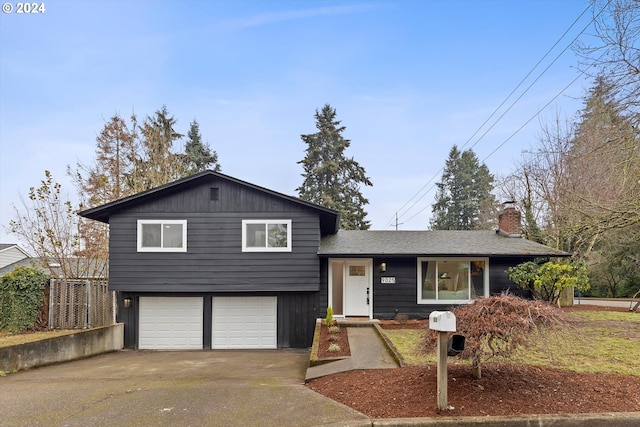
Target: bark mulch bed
x: 504, y: 389
x: 326, y: 339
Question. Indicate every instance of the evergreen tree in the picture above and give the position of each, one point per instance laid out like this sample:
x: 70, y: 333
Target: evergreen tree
x: 198, y: 155
x: 159, y: 164
x: 330, y: 178
x: 601, y: 189
x: 463, y: 198
x: 531, y: 229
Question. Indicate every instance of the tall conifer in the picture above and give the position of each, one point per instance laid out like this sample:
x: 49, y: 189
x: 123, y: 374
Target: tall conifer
x: 332, y: 179
x: 463, y: 198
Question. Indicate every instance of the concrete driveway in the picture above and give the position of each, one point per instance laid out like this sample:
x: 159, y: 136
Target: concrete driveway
x: 177, y: 388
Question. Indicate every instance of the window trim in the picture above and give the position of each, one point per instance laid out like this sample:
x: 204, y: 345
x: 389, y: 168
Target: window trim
x: 266, y: 223
x: 419, y: 298
x: 142, y: 222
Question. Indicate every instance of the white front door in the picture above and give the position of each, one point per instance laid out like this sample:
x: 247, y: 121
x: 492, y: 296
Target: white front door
x: 358, y: 288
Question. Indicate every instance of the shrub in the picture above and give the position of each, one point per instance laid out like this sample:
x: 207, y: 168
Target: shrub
x: 21, y: 295
x: 334, y: 348
x: 329, y: 319
x: 334, y: 329
x: 496, y: 326
x: 402, y: 318
x: 547, y: 280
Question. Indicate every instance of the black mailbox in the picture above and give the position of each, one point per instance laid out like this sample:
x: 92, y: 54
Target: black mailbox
x: 455, y: 345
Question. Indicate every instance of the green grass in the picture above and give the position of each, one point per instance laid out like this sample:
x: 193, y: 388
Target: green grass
x: 409, y: 343
x: 598, y: 341
x: 609, y: 315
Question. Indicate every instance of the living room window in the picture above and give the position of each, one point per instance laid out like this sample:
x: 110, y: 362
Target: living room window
x: 162, y: 235
x: 452, y: 280
x: 266, y: 235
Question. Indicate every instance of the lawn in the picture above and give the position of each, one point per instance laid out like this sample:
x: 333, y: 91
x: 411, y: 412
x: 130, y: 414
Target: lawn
x: 596, y: 341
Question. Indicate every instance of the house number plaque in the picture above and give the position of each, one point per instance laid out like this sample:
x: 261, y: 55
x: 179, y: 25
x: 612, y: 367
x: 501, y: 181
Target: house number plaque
x: 389, y: 280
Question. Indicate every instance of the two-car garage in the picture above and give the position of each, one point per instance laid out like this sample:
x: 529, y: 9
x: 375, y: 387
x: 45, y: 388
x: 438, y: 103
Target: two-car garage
x: 178, y: 323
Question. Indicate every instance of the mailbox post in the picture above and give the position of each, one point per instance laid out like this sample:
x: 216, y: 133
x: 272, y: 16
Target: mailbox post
x: 443, y: 322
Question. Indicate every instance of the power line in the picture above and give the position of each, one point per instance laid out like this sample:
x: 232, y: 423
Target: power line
x: 424, y: 193
x: 513, y: 134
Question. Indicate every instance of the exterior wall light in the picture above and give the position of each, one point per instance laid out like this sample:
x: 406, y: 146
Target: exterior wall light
x: 383, y: 267
x: 127, y: 302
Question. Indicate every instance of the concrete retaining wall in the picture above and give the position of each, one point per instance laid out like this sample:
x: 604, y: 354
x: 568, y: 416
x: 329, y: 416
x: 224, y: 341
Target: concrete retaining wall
x: 62, y: 349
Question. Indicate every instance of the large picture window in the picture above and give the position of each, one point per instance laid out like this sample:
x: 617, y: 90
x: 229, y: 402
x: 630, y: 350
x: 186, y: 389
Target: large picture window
x: 162, y: 235
x: 266, y: 235
x: 452, y: 280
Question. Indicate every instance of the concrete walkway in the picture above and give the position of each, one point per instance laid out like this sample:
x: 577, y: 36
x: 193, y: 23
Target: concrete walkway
x: 367, y: 352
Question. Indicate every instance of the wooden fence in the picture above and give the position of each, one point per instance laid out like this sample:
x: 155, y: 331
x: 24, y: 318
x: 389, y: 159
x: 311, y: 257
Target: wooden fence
x: 80, y: 304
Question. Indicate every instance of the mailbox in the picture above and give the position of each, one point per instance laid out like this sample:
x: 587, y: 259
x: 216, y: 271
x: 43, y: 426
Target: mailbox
x: 444, y: 321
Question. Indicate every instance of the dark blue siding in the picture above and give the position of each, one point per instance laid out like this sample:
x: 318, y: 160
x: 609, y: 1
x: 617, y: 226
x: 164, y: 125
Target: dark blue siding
x: 401, y: 297
x: 214, y: 261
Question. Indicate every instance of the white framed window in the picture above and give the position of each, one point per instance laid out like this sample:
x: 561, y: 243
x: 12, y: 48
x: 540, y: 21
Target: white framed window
x: 161, y: 235
x: 452, y: 280
x: 273, y: 235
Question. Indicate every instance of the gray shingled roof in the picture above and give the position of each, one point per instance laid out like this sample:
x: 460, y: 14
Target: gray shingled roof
x: 434, y: 242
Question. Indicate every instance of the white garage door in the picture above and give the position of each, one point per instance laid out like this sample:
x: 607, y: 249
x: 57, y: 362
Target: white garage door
x: 244, y: 322
x: 170, y: 323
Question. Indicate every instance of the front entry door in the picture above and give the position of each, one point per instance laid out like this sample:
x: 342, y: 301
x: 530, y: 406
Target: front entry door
x: 358, y: 289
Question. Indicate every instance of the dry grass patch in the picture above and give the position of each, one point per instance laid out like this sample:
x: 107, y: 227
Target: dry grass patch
x: 7, y: 339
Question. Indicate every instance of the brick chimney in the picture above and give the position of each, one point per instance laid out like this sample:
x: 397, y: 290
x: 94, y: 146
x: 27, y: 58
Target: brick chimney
x: 509, y: 221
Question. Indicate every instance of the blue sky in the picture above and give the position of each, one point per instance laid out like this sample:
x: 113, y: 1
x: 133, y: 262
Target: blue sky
x: 408, y: 79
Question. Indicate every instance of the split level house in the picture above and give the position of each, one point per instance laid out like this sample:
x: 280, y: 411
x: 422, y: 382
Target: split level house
x: 213, y: 262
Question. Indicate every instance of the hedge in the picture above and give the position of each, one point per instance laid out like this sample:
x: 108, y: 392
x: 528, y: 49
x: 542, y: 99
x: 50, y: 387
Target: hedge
x: 21, y: 295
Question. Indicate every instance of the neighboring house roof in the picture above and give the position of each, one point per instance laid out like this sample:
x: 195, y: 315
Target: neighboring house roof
x: 25, y: 262
x: 83, y: 268
x: 329, y: 218
x: 11, y: 253
x: 431, y: 243
x: 5, y: 246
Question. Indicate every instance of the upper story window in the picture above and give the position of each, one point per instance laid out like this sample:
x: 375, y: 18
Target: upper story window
x: 452, y: 280
x: 266, y: 235
x: 162, y: 235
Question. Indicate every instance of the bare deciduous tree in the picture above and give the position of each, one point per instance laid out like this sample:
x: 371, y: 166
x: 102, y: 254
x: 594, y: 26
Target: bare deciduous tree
x: 615, y: 50
x: 47, y: 224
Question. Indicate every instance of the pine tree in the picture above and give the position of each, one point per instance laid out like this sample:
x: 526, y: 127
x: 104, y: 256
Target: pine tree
x: 198, y: 155
x: 330, y: 178
x: 463, y: 198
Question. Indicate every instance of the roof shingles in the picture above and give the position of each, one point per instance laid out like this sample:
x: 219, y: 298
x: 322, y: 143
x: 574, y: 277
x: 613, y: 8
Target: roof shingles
x: 431, y: 243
